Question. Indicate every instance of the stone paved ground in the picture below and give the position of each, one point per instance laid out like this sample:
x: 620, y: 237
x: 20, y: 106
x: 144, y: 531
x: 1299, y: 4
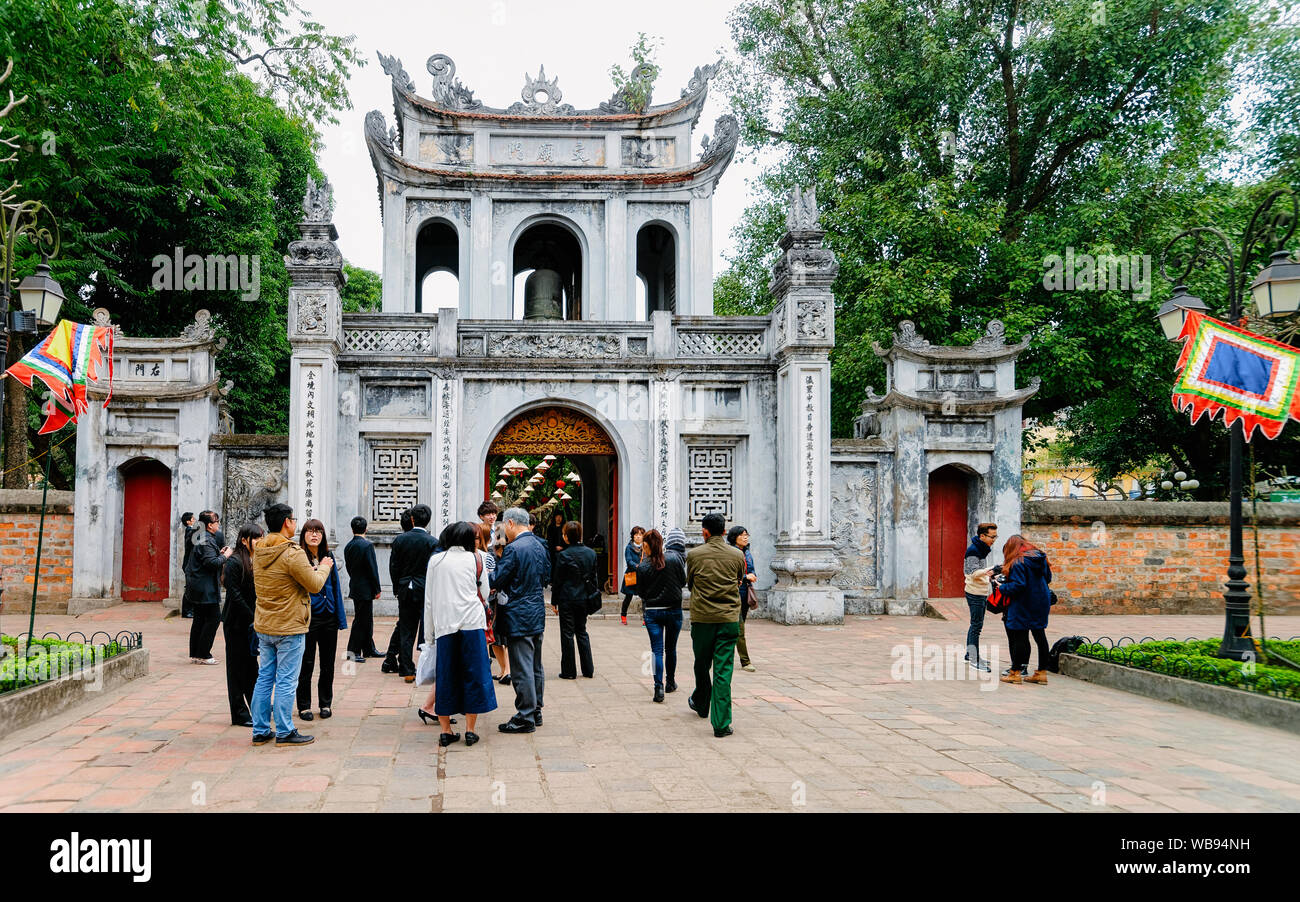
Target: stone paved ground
x: 821, y: 723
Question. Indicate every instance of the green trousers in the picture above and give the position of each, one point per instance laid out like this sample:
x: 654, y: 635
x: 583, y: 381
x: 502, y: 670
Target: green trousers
x: 715, y: 647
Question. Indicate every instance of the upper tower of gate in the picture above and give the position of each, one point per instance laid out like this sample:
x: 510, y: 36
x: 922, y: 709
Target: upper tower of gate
x: 543, y: 211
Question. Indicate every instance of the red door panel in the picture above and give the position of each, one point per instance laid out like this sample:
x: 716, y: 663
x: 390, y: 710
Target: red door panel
x: 948, y: 537
x: 146, y: 532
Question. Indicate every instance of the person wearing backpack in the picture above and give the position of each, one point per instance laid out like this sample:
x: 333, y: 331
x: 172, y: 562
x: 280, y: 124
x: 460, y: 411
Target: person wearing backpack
x: 1026, y: 575
x: 575, y: 580
x: 978, y: 589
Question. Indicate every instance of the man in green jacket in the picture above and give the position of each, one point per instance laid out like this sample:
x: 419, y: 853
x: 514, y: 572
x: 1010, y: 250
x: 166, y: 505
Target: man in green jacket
x: 283, y: 579
x: 713, y: 570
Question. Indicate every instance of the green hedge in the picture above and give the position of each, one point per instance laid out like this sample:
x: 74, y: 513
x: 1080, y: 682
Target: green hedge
x: 1195, y: 660
x: 20, y: 668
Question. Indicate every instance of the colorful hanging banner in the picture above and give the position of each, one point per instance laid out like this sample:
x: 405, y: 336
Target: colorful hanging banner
x: 69, y: 356
x: 1228, y: 370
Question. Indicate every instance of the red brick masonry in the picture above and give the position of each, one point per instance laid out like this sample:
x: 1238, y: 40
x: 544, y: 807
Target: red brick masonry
x: 1144, y: 557
x: 20, y: 516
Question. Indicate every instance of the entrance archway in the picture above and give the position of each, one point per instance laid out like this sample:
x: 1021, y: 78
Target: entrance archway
x: 553, y: 444
x: 146, y: 530
x: 948, y: 534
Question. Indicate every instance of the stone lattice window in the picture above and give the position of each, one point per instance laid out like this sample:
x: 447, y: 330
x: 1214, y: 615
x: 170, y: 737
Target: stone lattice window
x: 394, y: 479
x: 711, y: 482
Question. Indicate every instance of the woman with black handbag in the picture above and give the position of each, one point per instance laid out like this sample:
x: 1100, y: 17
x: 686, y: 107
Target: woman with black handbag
x: 659, y: 581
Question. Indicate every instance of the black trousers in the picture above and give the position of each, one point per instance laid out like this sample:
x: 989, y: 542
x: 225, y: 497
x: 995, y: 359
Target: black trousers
x: 573, y: 625
x: 408, y: 630
x: 187, y: 606
x: 203, y: 629
x: 241, y: 671
x: 322, y: 633
x: 1019, y: 641
x: 627, y: 602
x: 361, y: 640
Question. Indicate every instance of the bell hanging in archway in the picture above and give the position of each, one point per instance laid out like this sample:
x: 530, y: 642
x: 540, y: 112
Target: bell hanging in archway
x: 543, y: 298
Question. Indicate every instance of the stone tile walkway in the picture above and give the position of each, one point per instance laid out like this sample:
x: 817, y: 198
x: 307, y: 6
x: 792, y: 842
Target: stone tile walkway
x: 822, y: 726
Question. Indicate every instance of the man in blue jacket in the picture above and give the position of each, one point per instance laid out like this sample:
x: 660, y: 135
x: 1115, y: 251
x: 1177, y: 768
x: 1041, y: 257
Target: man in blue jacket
x: 523, y: 571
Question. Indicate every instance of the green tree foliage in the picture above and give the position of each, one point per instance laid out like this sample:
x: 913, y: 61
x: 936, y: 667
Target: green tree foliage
x: 955, y: 145
x: 364, y: 291
x: 637, y: 91
x: 144, y: 135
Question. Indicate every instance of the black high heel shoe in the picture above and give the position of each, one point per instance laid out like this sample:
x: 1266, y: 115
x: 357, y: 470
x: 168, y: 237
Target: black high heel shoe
x: 447, y: 739
x: 430, y: 718
x: 470, y: 737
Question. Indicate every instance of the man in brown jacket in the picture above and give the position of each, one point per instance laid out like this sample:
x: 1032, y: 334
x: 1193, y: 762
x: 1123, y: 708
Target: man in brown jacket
x: 283, y: 580
x: 713, y: 570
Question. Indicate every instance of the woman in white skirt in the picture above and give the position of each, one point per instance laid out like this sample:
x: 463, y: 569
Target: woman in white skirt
x: 455, y: 621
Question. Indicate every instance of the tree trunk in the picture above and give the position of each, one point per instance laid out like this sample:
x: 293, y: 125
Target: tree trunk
x: 15, y: 423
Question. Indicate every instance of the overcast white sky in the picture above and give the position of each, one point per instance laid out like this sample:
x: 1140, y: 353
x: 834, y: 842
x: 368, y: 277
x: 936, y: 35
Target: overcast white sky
x: 493, y: 43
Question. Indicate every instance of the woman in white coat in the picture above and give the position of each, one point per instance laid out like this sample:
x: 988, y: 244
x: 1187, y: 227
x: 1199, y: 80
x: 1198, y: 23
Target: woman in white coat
x: 455, y: 593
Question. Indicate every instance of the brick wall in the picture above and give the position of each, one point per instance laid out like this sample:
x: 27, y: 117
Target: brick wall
x: 1143, y: 557
x: 20, y: 517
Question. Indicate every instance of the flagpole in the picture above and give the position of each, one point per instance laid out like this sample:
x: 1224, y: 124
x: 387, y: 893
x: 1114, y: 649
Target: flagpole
x: 1271, y: 223
x: 40, y: 540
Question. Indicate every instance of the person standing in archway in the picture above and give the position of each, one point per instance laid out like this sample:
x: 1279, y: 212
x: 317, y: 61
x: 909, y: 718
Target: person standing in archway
x: 632, y: 557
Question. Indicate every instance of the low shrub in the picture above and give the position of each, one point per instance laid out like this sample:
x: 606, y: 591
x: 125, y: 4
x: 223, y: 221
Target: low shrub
x: 1195, y: 659
x: 47, y: 659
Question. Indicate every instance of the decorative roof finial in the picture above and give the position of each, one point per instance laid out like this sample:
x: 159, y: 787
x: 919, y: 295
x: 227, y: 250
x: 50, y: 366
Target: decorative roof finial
x: 803, y: 215
x: 318, y: 202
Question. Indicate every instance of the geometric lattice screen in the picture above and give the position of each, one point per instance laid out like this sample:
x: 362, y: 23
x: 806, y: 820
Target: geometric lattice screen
x: 394, y: 479
x: 710, y: 482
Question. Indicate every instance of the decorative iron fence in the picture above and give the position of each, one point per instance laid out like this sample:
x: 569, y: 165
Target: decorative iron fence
x: 26, y: 662
x: 1248, y: 676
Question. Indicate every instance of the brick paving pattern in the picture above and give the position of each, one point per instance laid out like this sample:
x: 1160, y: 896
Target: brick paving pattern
x: 823, y: 725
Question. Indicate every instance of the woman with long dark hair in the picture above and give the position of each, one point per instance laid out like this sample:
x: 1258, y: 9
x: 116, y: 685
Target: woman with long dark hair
x: 632, y: 557
x: 738, y: 537
x: 327, y: 619
x: 660, y: 579
x: 1025, y: 584
x: 237, y: 625
x: 455, y: 619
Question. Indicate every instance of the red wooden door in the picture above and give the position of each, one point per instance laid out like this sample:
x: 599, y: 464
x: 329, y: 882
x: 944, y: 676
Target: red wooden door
x: 614, y: 544
x: 948, y: 537
x: 146, y: 532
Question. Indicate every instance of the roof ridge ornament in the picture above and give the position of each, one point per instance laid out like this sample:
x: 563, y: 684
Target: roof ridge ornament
x: 726, y: 135
x: 318, y: 201
x: 392, y: 67
x: 551, y: 106
x: 700, y: 80
x: 447, y: 89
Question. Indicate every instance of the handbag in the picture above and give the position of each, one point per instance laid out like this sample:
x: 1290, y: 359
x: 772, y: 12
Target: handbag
x: 488, y: 616
x: 426, y: 666
x: 750, y: 596
x: 594, y: 599
x: 629, y: 579
x: 996, y: 603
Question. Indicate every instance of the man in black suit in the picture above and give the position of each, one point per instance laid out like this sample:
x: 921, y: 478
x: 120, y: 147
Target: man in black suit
x: 187, y: 521
x: 363, y: 589
x: 203, y: 586
x: 407, y: 563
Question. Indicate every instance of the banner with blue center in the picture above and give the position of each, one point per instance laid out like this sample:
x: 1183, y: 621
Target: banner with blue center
x: 1244, y: 376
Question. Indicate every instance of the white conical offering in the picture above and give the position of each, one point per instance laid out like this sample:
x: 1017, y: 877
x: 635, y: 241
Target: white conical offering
x: 543, y: 467
x: 550, y: 458
x: 566, y: 497
x: 572, y: 477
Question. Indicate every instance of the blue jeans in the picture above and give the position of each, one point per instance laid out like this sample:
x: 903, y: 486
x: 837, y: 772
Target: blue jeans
x: 664, y: 625
x: 281, y: 658
x: 976, y: 605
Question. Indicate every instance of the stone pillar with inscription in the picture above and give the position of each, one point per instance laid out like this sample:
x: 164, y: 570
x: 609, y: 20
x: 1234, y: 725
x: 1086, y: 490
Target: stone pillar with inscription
x: 315, y: 268
x: 803, y: 331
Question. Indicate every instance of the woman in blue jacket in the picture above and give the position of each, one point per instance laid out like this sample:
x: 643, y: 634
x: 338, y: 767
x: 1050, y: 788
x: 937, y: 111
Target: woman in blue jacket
x: 1025, y: 585
x: 327, y: 619
x: 632, y: 555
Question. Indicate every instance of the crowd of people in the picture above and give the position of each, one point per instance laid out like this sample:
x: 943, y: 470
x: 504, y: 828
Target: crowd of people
x: 473, y: 595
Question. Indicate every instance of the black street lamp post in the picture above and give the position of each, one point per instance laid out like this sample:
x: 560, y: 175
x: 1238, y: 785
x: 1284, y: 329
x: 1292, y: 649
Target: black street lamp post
x: 1273, y: 222
x: 41, y: 296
